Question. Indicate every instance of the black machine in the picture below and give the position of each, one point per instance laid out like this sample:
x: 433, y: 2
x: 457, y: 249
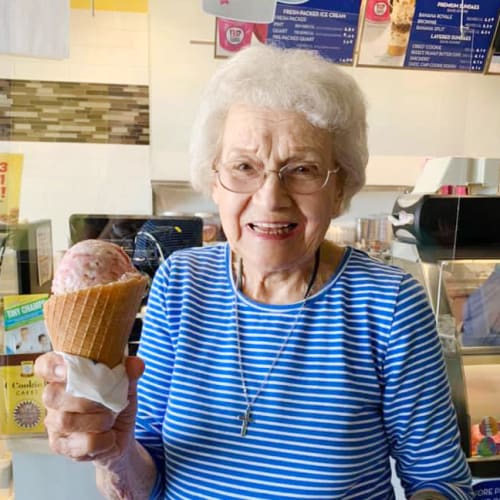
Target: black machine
x: 147, y: 239
x: 449, y: 227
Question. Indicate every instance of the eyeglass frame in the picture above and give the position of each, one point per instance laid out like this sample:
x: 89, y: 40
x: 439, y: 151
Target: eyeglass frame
x: 216, y: 171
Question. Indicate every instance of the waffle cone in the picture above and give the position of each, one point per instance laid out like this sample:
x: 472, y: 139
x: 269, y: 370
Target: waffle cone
x: 95, y: 322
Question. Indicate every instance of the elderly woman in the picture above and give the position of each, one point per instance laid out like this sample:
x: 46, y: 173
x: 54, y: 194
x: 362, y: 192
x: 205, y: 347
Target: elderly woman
x: 277, y: 365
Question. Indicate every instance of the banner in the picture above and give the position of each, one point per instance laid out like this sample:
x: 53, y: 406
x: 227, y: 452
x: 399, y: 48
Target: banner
x: 11, y: 166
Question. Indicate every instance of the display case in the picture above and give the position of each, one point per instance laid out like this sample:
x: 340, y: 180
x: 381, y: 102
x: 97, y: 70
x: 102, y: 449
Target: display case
x: 468, y: 313
x: 443, y: 242
x: 465, y: 297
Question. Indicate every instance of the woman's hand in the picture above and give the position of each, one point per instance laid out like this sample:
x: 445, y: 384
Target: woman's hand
x: 82, y: 429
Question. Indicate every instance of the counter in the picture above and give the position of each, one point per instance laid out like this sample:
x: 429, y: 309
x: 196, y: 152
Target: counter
x: 39, y: 474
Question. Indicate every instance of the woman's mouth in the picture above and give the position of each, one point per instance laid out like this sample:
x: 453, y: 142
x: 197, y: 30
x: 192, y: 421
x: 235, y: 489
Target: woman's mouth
x: 272, y: 228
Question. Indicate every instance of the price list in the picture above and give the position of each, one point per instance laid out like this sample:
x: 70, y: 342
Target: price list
x: 330, y: 30
x: 451, y: 35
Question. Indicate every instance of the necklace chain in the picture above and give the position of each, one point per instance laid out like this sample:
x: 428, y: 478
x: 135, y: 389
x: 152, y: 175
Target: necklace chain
x: 246, y: 418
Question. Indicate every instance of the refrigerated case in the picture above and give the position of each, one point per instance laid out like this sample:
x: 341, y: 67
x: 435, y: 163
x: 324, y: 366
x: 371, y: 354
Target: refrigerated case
x: 469, y: 314
x: 444, y: 243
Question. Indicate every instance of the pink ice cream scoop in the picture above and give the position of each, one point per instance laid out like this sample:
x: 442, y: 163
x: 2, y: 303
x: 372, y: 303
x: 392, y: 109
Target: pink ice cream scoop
x: 90, y: 263
x: 97, y: 293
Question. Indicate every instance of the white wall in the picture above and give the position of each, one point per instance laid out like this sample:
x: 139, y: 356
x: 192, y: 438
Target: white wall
x: 64, y: 178
x: 412, y: 114
x: 109, y: 47
x: 178, y: 71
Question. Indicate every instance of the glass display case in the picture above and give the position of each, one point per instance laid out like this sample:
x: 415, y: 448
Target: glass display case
x: 442, y: 241
x: 465, y: 297
x: 468, y: 313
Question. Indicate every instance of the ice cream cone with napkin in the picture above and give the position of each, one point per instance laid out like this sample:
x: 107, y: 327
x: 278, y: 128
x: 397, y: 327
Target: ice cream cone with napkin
x: 97, y: 293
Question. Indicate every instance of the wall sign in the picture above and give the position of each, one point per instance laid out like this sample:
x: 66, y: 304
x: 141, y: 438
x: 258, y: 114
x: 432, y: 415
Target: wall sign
x: 327, y: 27
x: 330, y: 28
x: 487, y: 490
x: 431, y: 34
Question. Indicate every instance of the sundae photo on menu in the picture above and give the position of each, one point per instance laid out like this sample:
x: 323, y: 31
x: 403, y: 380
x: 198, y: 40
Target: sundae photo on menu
x: 384, y: 38
x: 401, y: 21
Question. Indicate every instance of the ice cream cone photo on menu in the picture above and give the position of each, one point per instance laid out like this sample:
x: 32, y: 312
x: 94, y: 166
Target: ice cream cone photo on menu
x: 97, y: 293
x: 401, y: 22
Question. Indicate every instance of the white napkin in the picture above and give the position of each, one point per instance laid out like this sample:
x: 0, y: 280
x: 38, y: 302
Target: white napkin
x: 97, y: 382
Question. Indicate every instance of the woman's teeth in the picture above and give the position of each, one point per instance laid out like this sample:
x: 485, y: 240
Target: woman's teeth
x: 270, y: 228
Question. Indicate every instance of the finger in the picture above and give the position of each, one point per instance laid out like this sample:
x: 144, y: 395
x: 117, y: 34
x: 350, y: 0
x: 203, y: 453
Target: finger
x: 67, y: 422
x: 83, y: 446
x: 51, y: 367
x: 135, y: 367
x: 55, y: 396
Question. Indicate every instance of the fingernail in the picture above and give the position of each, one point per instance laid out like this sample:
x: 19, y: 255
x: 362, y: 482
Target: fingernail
x: 59, y: 371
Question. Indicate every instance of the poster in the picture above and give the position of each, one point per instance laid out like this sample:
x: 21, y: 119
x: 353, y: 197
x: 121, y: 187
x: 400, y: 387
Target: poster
x: 11, y: 167
x: 24, y: 327
x: 430, y: 34
x: 330, y: 28
x: 21, y: 396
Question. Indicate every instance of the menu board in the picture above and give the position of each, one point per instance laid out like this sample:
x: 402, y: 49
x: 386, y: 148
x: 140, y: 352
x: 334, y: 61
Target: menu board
x: 430, y: 34
x: 494, y: 67
x: 330, y: 28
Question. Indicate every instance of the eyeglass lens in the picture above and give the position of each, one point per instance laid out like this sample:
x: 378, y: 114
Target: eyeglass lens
x: 299, y: 179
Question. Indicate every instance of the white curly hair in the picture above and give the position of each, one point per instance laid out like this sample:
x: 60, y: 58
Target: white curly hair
x: 284, y: 79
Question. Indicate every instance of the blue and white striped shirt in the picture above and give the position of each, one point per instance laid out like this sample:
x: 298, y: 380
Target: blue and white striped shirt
x: 362, y: 378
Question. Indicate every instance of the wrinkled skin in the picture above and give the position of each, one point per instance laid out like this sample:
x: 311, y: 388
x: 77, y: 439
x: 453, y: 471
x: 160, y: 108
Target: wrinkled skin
x: 81, y: 429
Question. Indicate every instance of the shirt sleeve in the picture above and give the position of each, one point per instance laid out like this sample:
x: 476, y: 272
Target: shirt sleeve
x: 419, y: 416
x: 153, y: 388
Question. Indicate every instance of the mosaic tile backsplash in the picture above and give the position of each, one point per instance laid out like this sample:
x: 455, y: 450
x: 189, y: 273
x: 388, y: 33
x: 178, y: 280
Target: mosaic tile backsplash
x: 32, y: 110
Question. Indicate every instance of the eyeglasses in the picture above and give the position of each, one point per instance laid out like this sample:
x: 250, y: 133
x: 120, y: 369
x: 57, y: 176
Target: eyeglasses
x: 241, y: 177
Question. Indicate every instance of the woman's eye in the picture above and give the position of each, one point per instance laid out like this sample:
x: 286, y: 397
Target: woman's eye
x: 303, y: 170
x: 243, y: 168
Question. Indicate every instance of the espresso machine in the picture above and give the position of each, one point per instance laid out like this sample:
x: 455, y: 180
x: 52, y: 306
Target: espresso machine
x: 447, y: 234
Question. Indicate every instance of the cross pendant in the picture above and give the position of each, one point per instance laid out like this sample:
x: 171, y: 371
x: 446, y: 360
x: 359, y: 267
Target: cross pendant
x: 246, y: 418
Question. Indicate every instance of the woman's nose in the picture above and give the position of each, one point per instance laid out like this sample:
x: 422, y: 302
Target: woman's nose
x: 272, y: 192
